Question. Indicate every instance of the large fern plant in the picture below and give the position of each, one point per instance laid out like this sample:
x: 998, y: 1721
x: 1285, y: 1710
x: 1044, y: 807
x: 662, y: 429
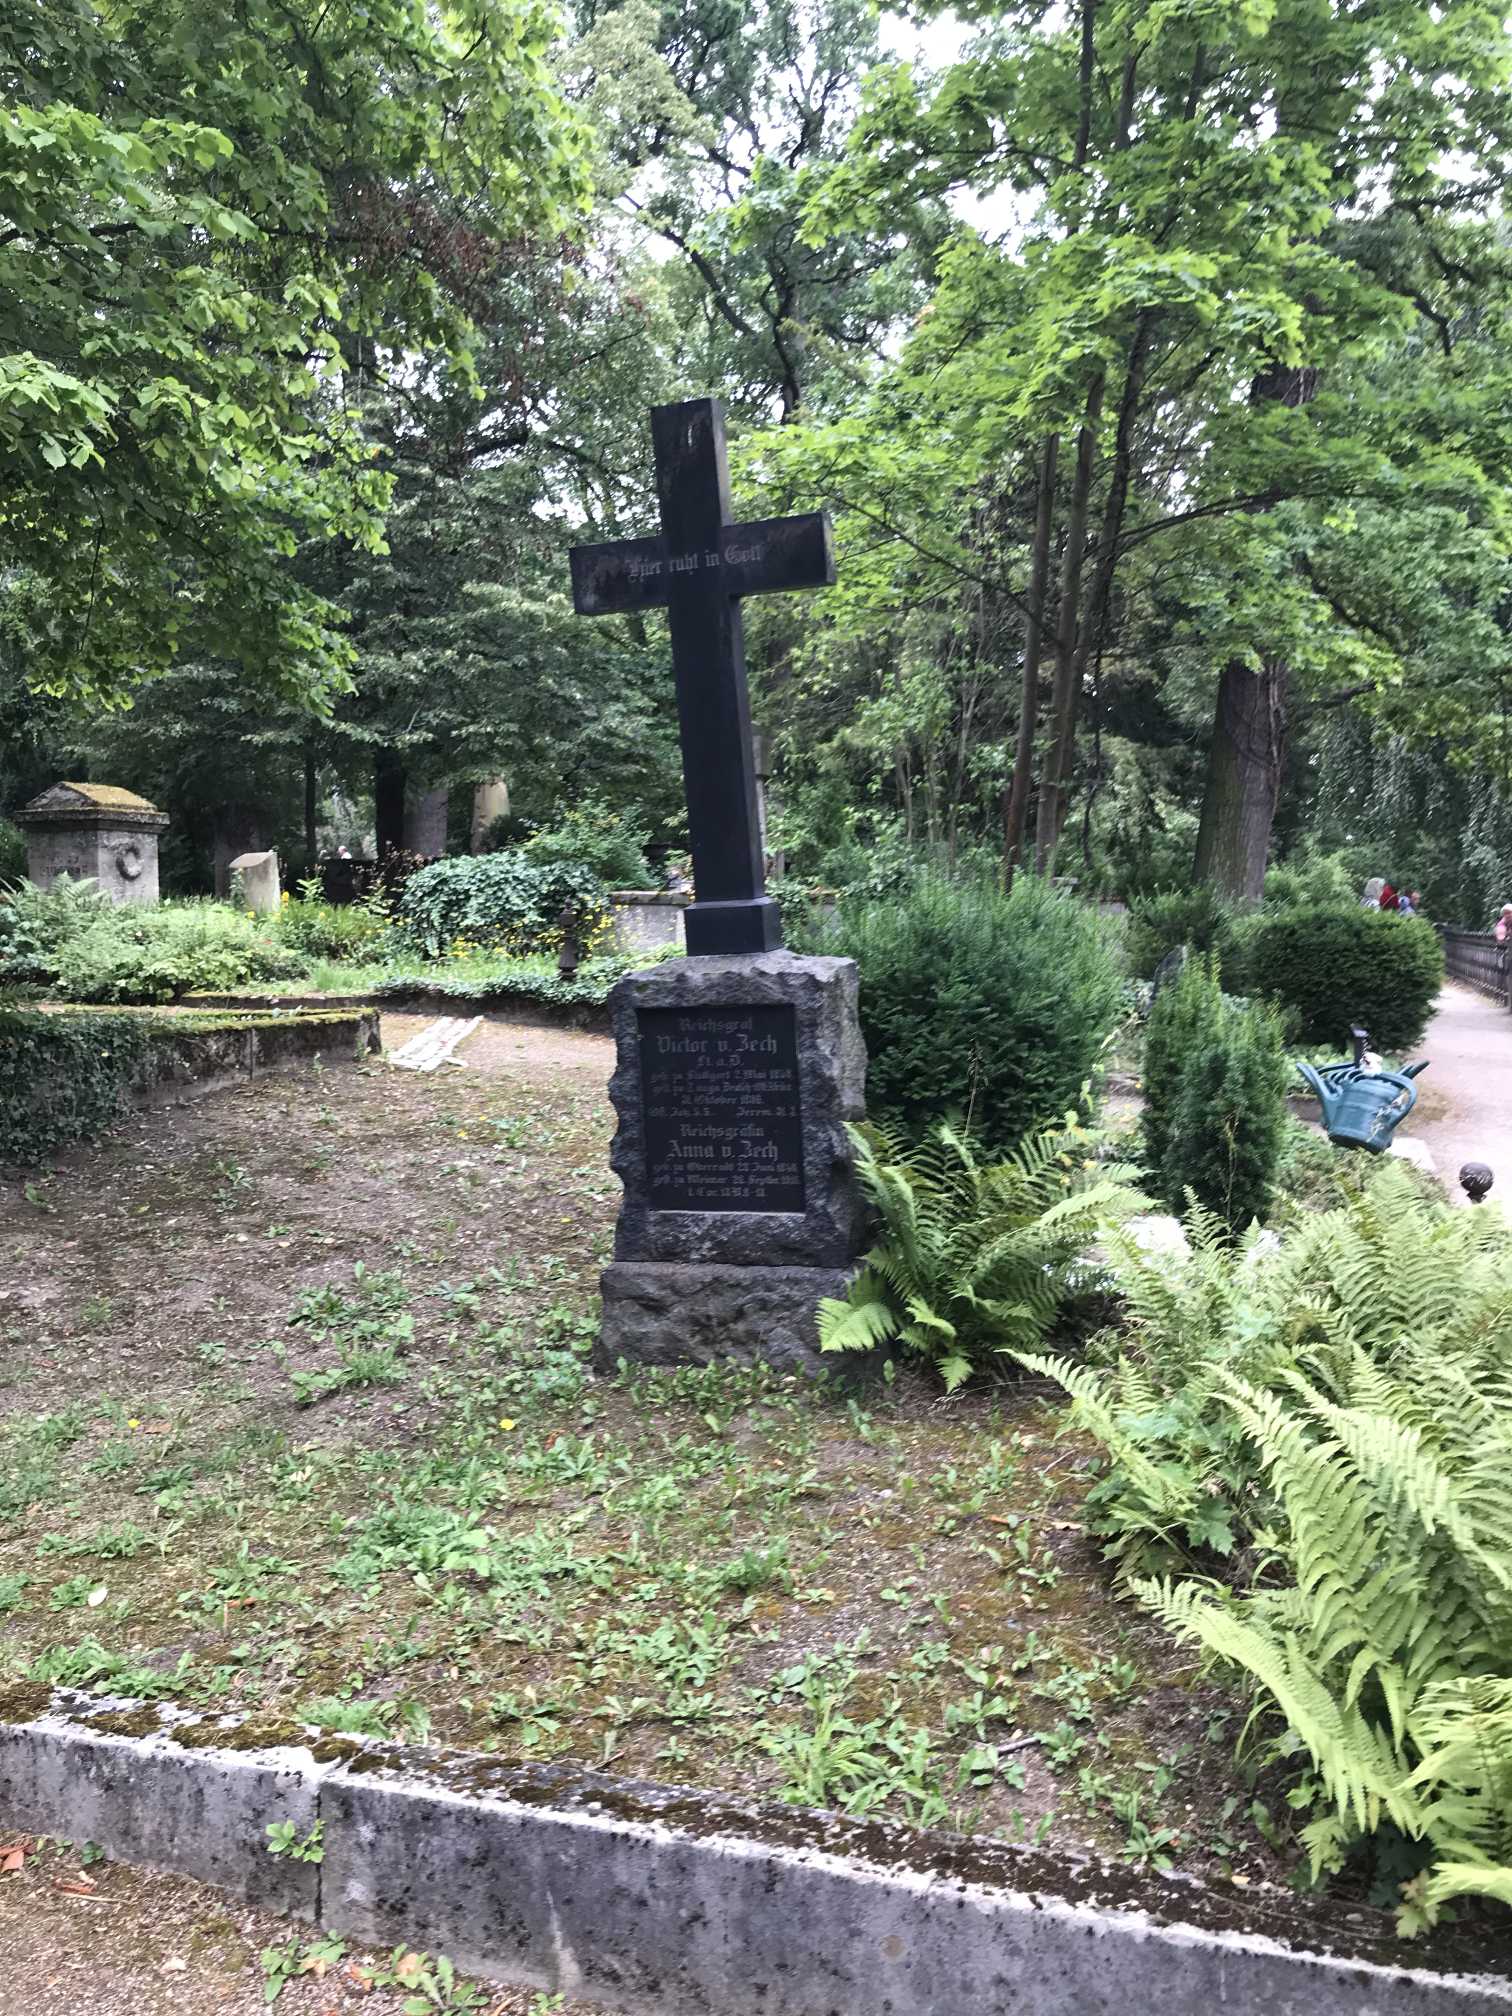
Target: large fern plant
x: 1183, y: 1480
x: 1344, y: 1407
x: 1382, y: 1627
x: 974, y: 1258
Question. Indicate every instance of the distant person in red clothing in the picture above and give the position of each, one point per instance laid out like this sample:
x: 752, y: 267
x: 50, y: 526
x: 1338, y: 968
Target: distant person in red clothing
x: 1502, y: 930
x: 1388, y: 898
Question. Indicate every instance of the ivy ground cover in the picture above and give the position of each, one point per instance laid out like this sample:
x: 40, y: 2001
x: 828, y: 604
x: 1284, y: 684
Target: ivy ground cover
x: 296, y: 1417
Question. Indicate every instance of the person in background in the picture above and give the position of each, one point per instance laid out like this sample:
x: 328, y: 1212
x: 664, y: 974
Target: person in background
x: 1502, y: 929
x: 1417, y: 903
x: 1405, y: 905
x: 1388, y: 897
x: 1371, y: 900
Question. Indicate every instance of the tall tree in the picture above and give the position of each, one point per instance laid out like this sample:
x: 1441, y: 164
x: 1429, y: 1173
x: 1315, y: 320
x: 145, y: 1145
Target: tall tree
x: 201, y: 212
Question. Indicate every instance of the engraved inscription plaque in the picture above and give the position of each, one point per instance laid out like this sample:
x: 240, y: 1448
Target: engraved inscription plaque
x: 723, y: 1127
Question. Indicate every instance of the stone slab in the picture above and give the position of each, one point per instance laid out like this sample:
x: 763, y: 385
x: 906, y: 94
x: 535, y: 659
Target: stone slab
x: 674, y: 1902
x: 147, y: 1798
x: 831, y: 1075
x: 673, y: 1313
x: 260, y: 887
x: 663, y: 1902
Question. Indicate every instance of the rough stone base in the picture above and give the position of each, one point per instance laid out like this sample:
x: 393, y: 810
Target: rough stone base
x: 666, y: 1313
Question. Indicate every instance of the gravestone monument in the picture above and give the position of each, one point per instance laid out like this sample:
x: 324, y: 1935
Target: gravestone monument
x: 259, y: 881
x: 739, y: 1065
x: 98, y: 831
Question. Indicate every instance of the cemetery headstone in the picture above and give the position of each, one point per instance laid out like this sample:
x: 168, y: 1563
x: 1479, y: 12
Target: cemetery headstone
x: 259, y: 882
x: 740, y: 1065
x: 98, y: 831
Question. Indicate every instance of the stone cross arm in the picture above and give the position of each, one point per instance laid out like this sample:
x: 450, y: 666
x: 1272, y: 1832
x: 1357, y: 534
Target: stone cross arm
x: 762, y: 557
x: 698, y: 569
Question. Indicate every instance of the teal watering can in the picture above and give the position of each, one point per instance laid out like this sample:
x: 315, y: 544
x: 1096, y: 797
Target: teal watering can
x: 1363, y: 1108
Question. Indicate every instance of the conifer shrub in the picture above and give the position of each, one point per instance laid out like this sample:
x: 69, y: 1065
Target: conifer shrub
x: 1332, y: 966
x: 1215, y: 1091
x: 1225, y: 1146
x: 1197, y: 918
x: 988, y: 1007
x: 1182, y: 1016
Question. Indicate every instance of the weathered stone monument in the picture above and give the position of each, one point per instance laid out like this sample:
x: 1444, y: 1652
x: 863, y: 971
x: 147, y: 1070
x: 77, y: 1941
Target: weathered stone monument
x: 94, y: 830
x: 259, y: 881
x: 739, y: 1066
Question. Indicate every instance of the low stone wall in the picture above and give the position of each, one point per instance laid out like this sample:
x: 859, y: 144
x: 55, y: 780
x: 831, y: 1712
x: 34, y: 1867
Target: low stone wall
x: 189, y: 1062
x: 646, y: 919
x: 68, y: 1074
x: 674, y: 1902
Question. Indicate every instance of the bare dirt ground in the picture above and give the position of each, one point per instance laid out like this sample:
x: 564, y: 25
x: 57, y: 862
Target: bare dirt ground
x: 295, y: 1418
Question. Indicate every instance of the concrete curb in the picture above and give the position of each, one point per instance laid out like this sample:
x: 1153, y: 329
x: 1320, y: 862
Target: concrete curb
x: 676, y: 1903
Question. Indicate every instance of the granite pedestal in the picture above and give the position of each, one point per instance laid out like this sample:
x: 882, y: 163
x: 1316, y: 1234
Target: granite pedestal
x: 736, y: 1077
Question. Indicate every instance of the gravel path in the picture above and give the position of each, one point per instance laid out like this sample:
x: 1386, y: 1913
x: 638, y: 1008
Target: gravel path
x: 502, y: 1047
x: 1464, y: 1109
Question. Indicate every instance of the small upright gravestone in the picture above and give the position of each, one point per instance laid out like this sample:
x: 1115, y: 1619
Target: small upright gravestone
x: 98, y: 831
x: 738, y: 1066
x: 259, y: 882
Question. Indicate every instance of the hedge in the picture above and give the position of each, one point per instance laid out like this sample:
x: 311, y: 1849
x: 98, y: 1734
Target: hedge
x: 1332, y: 966
x: 994, y: 1008
x: 63, y: 1077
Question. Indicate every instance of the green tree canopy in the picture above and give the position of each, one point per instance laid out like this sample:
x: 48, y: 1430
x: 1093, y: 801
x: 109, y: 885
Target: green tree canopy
x: 207, y: 216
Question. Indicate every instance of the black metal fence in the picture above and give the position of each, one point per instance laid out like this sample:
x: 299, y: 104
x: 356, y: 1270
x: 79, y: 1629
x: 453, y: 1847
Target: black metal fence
x: 1477, y: 959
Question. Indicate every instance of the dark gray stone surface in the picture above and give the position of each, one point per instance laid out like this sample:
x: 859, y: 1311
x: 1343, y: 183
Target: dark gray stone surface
x: 829, y: 1231
x: 673, y: 1313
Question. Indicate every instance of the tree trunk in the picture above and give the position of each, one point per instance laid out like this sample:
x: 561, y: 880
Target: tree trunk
x: 311, y: 780
x: 1247, y: 758
x: 388, y: 801
x: 1016, y: 798
x: 425, y: 819
x: 1245, y: 769
x: 1056, y: 773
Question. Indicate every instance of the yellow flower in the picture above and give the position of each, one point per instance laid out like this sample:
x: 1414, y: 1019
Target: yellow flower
x: 505, y: 1423
x: 133, y: 1424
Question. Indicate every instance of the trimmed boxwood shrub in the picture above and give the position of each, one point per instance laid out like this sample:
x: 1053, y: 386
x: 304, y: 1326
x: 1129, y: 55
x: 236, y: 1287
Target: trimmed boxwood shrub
x: 1330, y: 966
x: 62, y: 1078
x: 978, y: 1004
x: 1183, y: 1017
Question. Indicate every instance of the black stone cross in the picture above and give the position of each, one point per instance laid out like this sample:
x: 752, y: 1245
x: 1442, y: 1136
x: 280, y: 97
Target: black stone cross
x: 698, y: 570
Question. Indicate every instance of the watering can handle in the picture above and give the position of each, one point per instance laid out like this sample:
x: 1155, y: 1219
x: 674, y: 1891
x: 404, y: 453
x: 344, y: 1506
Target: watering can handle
x: 1312, y: 1080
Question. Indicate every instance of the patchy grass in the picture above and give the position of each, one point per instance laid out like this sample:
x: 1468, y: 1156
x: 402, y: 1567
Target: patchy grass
x: 297, y: 1417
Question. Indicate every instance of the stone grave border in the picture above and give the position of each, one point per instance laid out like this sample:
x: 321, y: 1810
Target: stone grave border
x: 661, y: 1901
